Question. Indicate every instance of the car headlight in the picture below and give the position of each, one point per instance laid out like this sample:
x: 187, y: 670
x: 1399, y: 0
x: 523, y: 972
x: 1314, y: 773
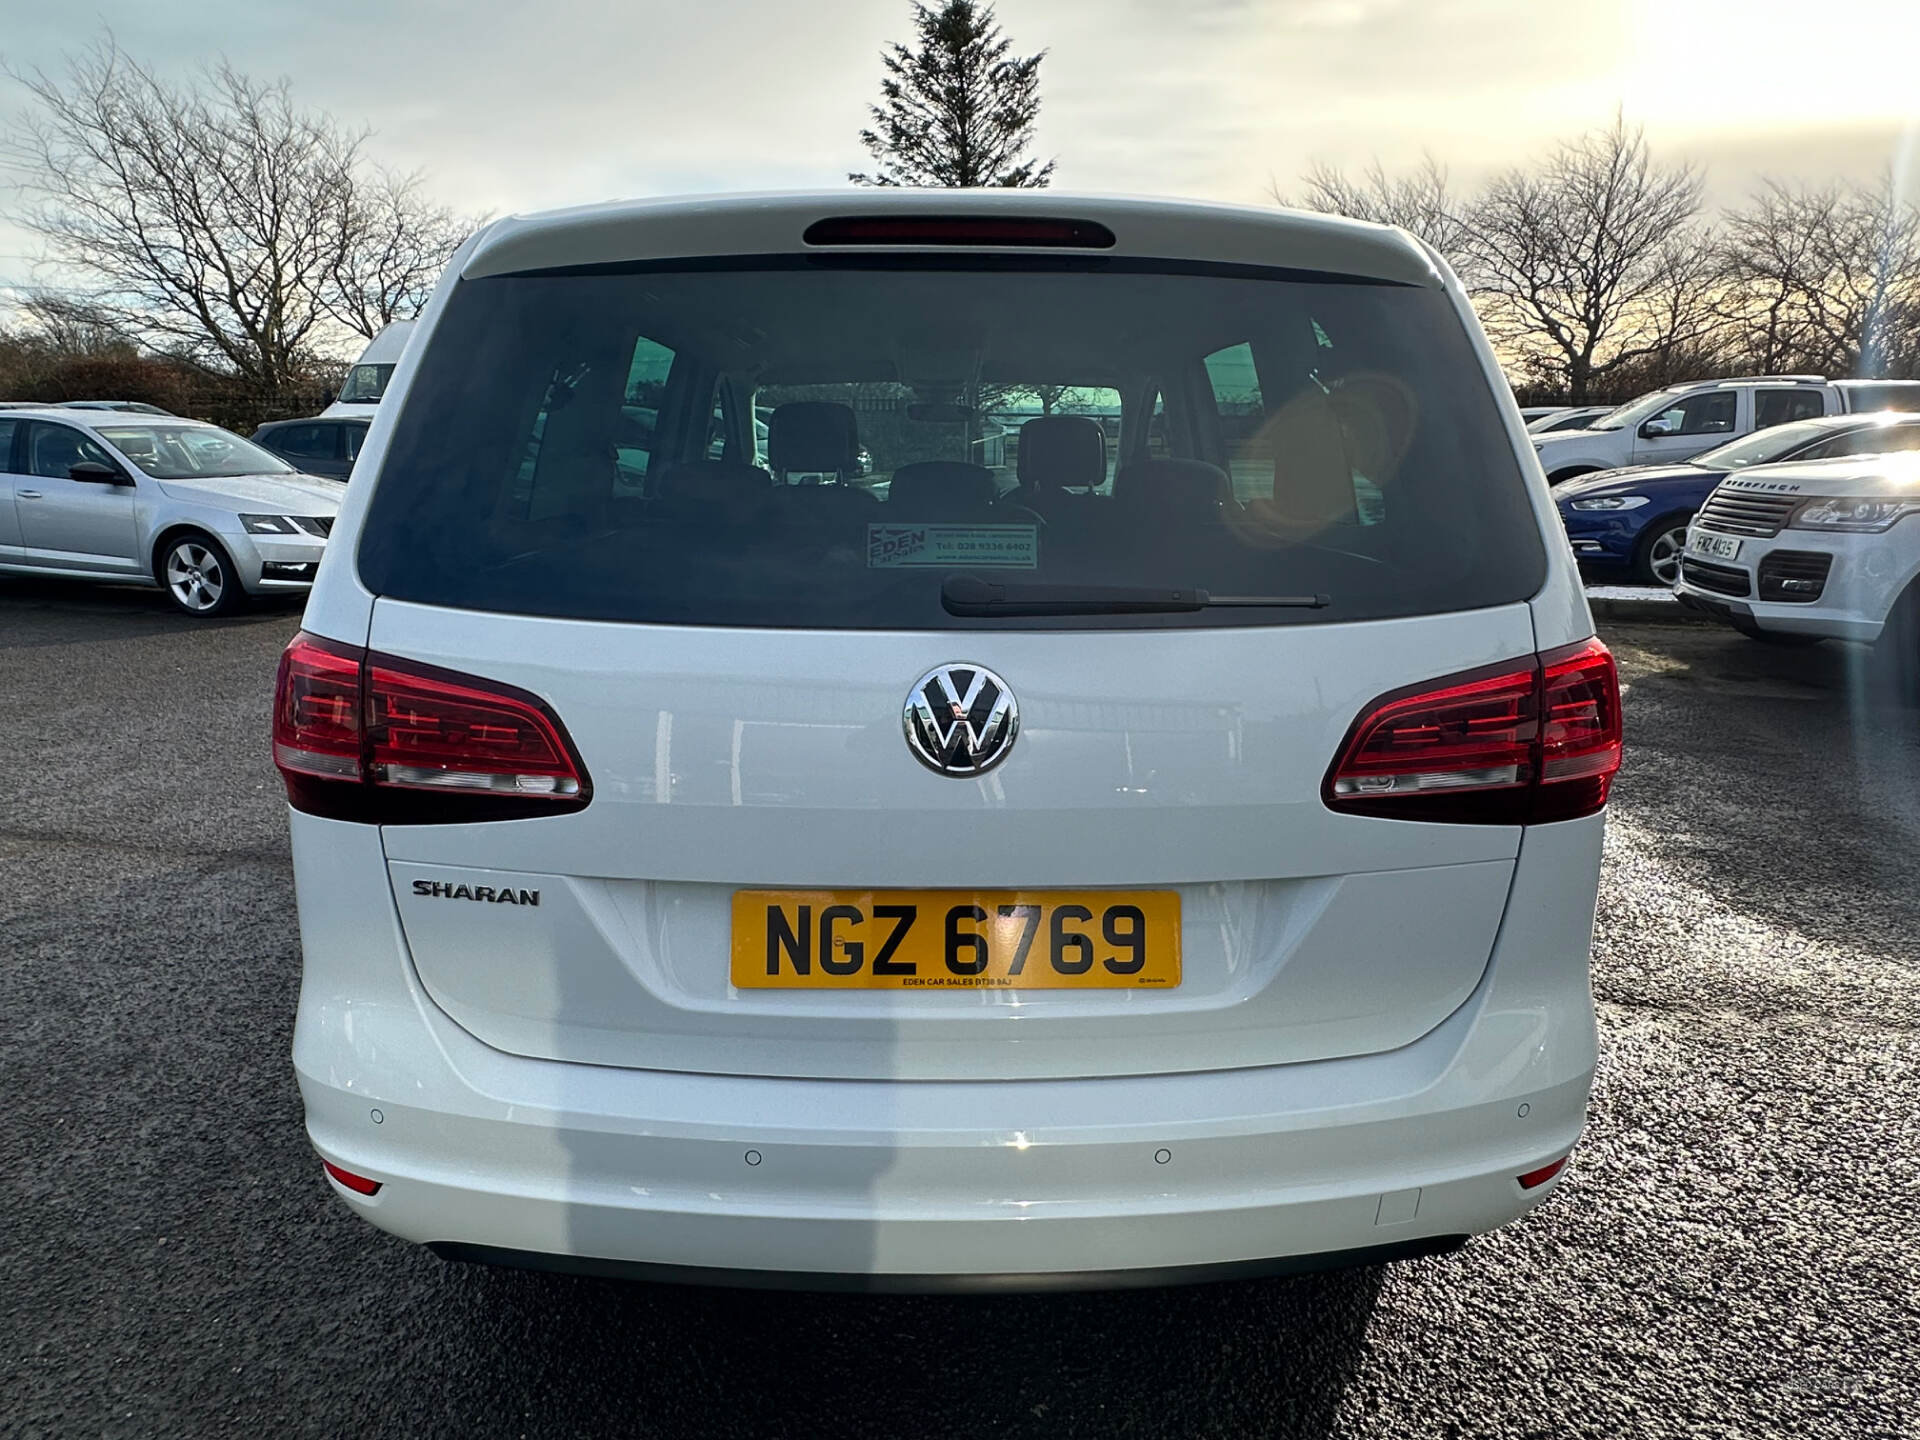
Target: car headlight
x: 268, y: 525
x: 1610, y: 502
x: 1855, y: 513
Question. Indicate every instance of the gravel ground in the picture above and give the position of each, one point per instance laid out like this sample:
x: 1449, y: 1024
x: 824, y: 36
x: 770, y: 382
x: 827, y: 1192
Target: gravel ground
x: 1736, y: 1252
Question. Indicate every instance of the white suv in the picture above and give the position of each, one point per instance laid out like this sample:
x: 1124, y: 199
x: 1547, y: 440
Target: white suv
x: 1666, y: 427
x: 913, y: 873
x: 1821, y: 549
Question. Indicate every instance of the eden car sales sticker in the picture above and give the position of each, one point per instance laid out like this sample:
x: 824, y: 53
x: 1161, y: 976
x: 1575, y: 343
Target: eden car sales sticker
x: 906, y: 547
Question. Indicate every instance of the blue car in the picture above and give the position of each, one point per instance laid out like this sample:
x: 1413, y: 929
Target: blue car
x: 1631, y: 524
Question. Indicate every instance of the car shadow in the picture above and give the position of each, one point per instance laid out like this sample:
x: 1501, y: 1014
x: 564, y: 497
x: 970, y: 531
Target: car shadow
x: 35, y: 611
x: 1265, y: 1357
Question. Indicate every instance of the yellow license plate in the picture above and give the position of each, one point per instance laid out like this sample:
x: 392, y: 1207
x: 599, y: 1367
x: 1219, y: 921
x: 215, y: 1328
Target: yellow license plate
x: 956, y: 939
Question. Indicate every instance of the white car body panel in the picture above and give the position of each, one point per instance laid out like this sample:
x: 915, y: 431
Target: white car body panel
x: 1211, y: 763
x: 578, y: 1080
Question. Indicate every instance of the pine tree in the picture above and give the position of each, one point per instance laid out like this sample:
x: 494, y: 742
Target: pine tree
x: 955, y: 111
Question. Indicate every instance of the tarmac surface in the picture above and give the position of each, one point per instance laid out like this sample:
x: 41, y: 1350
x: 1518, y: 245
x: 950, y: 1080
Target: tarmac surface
x: 1736, y: 1251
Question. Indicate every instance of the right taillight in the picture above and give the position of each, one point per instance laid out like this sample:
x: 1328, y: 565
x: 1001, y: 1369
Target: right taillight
x: 1517, y: 744
x: 360, y: 736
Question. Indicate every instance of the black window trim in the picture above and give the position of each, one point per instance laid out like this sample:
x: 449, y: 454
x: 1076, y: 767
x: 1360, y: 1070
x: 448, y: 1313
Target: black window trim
x: 954, y: 260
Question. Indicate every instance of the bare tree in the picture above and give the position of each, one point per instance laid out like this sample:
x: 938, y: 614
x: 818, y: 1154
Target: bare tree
x: 395, y: 244
x: 1583, y: 267
x: 62, y: 325
x: 1824, y: 279
x: 1421, y: 201
x: 206, y: 217
x: 956, y: 110
x: 216, y: 220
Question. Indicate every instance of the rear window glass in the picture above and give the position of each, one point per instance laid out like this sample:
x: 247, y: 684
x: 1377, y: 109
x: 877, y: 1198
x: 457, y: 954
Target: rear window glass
x: 821, y: 444
x: 1883, y: 397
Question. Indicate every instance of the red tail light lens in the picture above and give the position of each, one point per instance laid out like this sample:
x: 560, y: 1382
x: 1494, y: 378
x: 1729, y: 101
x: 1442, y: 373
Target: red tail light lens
x: 1579, y: 731
x: 371, y: 737
x: 1512, y: 745
x: 429, y: 731
x: 316, y: 709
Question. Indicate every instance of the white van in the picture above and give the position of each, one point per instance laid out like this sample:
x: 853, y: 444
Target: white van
x: 880, y: 873
x: 367, y: 380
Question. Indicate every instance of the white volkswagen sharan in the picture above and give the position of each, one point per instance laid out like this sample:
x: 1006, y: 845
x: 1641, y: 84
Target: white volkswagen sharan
x: 942, y: 740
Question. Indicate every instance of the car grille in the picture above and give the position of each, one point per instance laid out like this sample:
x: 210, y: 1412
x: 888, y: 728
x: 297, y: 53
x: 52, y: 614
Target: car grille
x: 1737, y: 512
x: 1796, y: 576
x: 1721, y: 579
x: 321, y: 525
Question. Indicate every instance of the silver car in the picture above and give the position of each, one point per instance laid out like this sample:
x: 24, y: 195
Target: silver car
x: 207, y: 516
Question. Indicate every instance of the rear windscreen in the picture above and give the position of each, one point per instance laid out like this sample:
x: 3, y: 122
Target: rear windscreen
x: 823, y: 444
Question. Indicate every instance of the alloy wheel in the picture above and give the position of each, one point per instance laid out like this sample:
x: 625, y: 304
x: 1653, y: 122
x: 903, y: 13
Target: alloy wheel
x: 195, y: 575
x: 1663, y: 556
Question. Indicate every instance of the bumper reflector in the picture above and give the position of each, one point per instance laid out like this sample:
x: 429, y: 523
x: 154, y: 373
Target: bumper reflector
x: 1534, y: 1179
x: 359, y: 1184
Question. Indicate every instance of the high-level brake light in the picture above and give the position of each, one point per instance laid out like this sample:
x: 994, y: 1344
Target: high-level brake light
x: 363, y: 736
x: 1012, y: 231
x: 1518, y: 744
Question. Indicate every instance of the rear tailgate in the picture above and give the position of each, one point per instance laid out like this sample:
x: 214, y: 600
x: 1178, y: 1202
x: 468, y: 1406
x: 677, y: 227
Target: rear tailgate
x: 722, y: 759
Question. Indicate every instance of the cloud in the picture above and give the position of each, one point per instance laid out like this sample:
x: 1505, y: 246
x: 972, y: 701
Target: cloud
x: 511, y: 106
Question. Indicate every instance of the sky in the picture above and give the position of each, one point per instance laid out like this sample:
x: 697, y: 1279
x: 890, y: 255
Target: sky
x: 510, y: 107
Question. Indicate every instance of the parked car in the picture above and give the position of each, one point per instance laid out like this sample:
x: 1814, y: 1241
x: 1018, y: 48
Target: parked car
x: 318, y: 446
x: 1576, y: 417
x: 367, y: 378
x: 132, y: 407
x: 137, y: 407
x: 1216, y: 900
x: 1825, y: 549
x: 1675, y: 424
x: 1533, y: 413
x: 1633, y: 522
x: 201, y: 513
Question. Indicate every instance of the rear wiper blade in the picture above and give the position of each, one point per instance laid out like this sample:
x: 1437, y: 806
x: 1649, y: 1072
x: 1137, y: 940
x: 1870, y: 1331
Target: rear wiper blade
x: 970, y: 595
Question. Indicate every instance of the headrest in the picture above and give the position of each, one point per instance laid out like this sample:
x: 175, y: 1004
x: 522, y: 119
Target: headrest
x: 1062, y: 450
x: 1190, y: 488
x: 811, y: 435
x: 940, y: 486
x: 717, y: 481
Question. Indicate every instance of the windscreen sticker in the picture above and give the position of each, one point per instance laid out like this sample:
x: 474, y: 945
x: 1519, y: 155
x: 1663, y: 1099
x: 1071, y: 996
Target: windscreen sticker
x: 904, y: 547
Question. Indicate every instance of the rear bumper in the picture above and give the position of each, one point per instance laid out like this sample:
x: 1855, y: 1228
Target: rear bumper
x: 941, y: 1184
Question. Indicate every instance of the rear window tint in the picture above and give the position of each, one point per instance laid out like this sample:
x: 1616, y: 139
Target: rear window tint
x: 1896, y: 396
x: 821, y: 444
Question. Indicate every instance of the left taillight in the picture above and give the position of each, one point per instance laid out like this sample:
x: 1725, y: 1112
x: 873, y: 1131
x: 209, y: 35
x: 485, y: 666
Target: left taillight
x: 1526, y: 743
x: 371, y: 737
